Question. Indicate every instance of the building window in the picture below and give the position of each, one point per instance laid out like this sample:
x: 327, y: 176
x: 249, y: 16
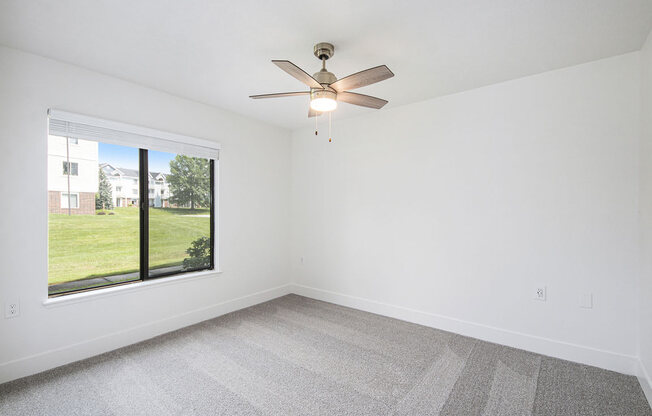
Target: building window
x: 71, y: 168
x: 73, y: 140
x: 125, y: 241
x: 69, y: 200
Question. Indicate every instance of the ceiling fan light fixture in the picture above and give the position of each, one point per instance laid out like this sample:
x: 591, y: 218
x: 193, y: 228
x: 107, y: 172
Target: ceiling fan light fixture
x: 325, y: 89
x: 323, y: 100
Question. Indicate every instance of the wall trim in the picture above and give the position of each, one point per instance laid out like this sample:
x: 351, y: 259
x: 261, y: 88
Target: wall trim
x: 46, y: 360
x: 645, y: 381
x: 608, y: 360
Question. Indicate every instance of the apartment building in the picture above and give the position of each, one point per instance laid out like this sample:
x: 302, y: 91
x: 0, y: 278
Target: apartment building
x: 72, y: 175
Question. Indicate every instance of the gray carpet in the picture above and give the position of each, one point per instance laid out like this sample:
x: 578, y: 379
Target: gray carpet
x: 297, y: 356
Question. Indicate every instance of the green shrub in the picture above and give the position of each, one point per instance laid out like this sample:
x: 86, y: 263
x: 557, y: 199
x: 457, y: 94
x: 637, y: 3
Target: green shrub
x: 200, y: 254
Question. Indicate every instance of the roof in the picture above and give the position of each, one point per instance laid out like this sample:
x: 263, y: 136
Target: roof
x: 111, y: 170
x: 155, y: 175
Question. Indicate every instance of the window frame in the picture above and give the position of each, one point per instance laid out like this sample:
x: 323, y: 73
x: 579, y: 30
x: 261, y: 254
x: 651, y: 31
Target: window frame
x: 69, y: 164
x: 66, y: 198
x: 143, y: 200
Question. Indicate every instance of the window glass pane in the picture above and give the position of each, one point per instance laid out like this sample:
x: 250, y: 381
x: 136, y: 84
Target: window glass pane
x: 94, y: 239
x: 71, y: 167
x: 69, y: 200
x: 179, y: 213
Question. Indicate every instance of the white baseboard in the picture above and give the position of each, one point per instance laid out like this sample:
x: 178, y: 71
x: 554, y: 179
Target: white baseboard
x: 621, y: 363
x: 46, y: 360
x: 553, y: 348
x: 646, y: 382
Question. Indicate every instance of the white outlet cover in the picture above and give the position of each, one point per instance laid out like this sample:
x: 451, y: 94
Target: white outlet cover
x: 12, y: 308
x: 540, y: 293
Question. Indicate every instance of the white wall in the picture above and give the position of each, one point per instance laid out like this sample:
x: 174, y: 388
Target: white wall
x: 452, y: 211
x: 645, y: 293
x: 253, y: 231
x: 449, y: 212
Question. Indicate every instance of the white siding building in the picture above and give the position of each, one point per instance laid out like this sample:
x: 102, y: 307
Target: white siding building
x: 77, y: 190
x: 125, y: 186
x: 159, y: 190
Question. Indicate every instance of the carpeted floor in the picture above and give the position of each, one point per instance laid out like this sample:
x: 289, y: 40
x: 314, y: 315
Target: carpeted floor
x: 297, y: 356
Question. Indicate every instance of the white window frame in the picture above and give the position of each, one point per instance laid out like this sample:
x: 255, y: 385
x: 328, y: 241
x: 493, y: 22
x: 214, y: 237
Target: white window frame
x: 107, y: 131
x: 66, y: 198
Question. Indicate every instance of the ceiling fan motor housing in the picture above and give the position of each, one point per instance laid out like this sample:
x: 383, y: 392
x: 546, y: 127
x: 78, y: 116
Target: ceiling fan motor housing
x: 324, y: 77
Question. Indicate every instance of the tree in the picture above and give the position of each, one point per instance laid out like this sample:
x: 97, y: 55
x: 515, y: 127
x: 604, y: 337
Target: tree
x: 103, y: 198
x: 189, y: 181
x: 200, y: 254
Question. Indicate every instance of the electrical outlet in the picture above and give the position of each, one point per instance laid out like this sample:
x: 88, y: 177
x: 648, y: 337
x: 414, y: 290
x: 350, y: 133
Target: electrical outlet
x: 586, y: 300
x: 12, y: 309
x: 540, y: 293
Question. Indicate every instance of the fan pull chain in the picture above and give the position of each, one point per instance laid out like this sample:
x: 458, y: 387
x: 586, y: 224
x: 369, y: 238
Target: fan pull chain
x: 329, y: 127
x: 316, y: 125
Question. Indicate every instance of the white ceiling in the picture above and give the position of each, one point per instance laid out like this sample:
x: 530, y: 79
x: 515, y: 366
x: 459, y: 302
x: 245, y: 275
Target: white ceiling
x: 219, y: 52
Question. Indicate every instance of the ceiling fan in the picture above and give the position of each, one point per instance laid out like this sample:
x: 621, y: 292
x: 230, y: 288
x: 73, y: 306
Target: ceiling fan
x: 326, y: 90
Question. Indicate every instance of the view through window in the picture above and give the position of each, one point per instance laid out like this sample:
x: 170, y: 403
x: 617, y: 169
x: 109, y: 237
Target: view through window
x: 96, y: 217
x: 179, y: 213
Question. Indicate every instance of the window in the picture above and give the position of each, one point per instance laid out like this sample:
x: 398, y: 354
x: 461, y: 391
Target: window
x: 69, y: 200
x: 109, y: 239
x: 71, y: 168
x: 190, y: 200
x: 91, y: 247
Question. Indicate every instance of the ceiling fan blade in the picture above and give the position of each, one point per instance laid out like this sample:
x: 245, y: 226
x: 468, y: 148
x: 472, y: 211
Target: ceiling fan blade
x: 313, y: 113
x: 298, y: 73
x: 362, y: 78
x: 361, y: 99
x: 280, y: 94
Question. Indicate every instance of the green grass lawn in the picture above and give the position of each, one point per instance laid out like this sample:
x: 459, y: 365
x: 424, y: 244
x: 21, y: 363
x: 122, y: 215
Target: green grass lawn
x: 84, y: 246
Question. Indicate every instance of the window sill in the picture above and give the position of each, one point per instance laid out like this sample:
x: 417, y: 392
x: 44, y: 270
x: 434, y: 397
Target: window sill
x: 133, y: 287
